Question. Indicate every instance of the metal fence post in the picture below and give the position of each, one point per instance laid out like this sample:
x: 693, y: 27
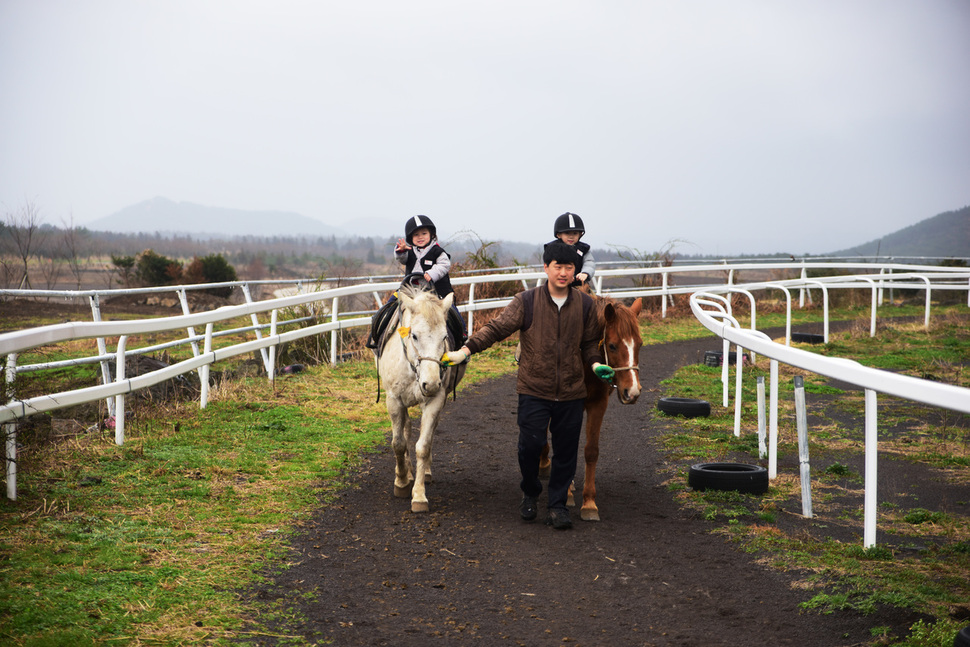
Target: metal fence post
x: 333, y: 333
x: 762, y: 447
x: 663, y: 296
x: 102, y: 350
x: 773, y: 421
x: 255, y: 320
x: 872, y: 454
x: 10, y: 431
x: 801, y: 419
x: 271, y: 364
x: 738, y: 368
x: 120, y: 398
x: 725, y: 351
x: 204, y: 369
x: 471, y: 312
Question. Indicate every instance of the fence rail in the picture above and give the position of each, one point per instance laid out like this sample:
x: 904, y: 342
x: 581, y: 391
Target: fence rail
x: 660, y: 282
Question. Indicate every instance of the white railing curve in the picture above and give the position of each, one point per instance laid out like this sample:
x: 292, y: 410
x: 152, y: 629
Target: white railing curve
x: 712, y: 310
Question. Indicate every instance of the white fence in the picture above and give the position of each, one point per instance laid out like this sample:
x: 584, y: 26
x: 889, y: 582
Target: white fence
x: 712, y: 310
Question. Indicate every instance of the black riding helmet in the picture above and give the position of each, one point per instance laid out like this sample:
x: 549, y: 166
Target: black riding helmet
x: 568, y: 222
x: 417, y: 222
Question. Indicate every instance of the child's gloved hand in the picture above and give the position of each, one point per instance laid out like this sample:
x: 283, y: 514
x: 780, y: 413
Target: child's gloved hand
x: 603, y: 372
x: 454, y: 358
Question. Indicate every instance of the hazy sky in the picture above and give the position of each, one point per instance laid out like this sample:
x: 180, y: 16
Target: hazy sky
x: 736, y: 126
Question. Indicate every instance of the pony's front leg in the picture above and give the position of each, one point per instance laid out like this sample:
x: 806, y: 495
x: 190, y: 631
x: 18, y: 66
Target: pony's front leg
x: 594, y: 421
x: 400, y: 430
x: 422, y: 454
x: 545, y: 463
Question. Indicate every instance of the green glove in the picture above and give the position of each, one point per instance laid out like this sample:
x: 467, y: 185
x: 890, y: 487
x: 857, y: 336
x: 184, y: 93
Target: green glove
x: 454, y: 358
x: 603, y: 372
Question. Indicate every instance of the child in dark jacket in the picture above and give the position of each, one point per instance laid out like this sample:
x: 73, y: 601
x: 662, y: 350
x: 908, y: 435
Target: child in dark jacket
x: 420, y: 254
x: 569, y: 229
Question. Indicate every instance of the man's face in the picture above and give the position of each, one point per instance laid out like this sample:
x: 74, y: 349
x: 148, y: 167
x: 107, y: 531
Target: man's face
x: 560, y: 275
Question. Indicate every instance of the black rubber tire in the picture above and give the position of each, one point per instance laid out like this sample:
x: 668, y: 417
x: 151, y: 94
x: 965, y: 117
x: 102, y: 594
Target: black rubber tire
x: 740, y: 477
x: 716, y: 357
x: 807, y: 338
x: 962, y: 639
x: 686, y: 407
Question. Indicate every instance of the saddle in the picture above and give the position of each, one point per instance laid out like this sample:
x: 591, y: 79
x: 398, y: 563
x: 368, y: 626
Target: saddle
x: 386, y: 318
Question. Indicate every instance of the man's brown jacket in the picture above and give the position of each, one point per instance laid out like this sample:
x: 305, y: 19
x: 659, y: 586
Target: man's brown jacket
x: 555, y: 347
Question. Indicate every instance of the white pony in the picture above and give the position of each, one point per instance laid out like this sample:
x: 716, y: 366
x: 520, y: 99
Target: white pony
x: 411, y: 369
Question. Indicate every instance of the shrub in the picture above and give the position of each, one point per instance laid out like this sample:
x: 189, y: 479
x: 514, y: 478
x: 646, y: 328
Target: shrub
x: 152, y: 269
x: 213, y: 268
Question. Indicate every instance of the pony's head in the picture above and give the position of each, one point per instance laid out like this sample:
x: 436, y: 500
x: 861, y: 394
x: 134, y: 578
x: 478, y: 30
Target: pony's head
x: 424, y: 331
x: 621, y: 348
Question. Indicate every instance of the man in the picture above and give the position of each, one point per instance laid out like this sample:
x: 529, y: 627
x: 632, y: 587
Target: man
x: 559, y: 335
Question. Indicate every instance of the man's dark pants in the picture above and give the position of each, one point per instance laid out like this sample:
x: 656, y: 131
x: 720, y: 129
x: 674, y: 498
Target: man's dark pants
x: 564, y: 420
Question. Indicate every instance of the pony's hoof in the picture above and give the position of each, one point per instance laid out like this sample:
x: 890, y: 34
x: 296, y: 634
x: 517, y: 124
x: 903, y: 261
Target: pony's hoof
x: 589, y: 514
x: 570, y: 500
x: 419, y: 506
x: 403, y: 492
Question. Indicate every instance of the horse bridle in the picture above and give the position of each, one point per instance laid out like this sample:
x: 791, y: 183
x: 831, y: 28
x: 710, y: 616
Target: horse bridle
x: 414, y: 365
x: 617, y: 369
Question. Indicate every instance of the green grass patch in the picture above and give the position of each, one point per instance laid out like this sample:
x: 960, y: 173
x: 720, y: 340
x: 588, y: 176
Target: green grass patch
x: 149, y: 542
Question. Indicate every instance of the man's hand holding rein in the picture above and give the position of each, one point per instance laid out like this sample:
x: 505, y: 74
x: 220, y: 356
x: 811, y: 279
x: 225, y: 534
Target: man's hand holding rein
x: 456, y: 357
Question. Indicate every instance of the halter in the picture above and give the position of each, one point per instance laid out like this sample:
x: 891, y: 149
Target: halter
x: 402, y: 333
x: 617, y: 369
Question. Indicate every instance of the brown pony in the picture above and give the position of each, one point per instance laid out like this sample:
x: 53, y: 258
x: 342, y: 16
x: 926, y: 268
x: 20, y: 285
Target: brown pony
x: 621, y: 349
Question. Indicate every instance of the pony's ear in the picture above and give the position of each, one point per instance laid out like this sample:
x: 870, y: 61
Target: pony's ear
x: 404, y: 331
x: 637, y: 305
x: 609, y: 312
x: 448, y: 300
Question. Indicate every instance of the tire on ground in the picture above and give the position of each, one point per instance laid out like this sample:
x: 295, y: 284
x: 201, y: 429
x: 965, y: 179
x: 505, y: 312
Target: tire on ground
x: 807, y: 338
x: 686, y: 407
x: 962, y: 639
x: 740, y: 477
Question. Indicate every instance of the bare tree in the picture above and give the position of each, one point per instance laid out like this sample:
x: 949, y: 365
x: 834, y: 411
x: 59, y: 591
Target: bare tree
x: 24, y: 230
x: 51, y: 267
x: 71, y: 247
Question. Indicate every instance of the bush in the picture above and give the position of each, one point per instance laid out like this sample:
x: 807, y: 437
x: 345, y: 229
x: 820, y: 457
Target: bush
x: 154, y: 269
x: 213, y: 268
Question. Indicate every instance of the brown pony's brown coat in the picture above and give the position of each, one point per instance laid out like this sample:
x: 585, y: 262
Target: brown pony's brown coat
x: 621, y: 344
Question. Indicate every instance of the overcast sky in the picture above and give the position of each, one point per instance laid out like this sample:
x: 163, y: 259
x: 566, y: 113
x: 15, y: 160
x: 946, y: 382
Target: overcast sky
x: 722, y: 126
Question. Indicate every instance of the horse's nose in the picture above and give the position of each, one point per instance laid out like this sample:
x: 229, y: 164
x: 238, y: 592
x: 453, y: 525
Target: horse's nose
x: 430, y: 387
x: 630, y: 395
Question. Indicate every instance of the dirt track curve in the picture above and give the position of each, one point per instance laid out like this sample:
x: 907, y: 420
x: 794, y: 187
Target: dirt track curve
x: 366, y: 571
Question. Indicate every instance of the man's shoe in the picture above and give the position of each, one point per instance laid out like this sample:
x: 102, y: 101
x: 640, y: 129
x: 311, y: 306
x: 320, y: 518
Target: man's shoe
x: 559, y: 519
x: 527, y: 509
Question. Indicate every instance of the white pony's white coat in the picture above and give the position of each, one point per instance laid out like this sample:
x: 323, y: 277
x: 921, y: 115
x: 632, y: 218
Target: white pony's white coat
x: 411, y: 371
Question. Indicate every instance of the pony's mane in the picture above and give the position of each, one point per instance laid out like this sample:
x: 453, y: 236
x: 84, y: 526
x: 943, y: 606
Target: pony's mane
x: 427, y: 303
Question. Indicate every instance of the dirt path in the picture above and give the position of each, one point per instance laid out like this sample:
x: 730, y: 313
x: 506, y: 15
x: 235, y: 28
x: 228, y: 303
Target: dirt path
x: 366, y: 571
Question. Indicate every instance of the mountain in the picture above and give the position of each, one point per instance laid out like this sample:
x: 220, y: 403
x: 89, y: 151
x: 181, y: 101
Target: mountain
x: 184, y: 218
x: 943, y: 235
